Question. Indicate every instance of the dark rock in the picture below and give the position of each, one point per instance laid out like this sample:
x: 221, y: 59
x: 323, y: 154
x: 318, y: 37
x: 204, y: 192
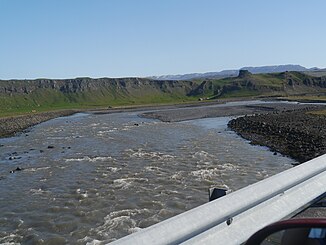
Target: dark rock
x: 136, y: 124
x: 14, y: 157
x: 244, y: 73
x: 17, y: 169
x: 295, y: 133
x: 41, y: 151
x: 275, y: 153
x: 50, y: 147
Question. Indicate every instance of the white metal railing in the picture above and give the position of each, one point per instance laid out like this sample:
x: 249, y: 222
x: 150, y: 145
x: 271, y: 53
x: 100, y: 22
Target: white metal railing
x: 232, y: 219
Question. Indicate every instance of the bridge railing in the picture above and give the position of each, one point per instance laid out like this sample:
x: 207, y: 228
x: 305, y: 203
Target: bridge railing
x: 233, y: 218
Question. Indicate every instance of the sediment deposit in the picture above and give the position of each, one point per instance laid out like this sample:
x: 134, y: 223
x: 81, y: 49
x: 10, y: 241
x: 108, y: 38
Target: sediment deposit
x: 297, y: 133
x: 9, y: 126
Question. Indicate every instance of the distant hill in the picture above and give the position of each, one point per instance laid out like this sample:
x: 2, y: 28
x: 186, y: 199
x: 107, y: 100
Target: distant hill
x: 316, y: 72
x: 191, y: 76
x: 263, y: 84
x: 234, y: 73
x: 48, y: 94
x: 273, y: 69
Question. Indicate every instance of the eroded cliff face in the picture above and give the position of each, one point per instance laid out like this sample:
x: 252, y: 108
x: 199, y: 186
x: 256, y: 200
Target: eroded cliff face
x: 48, y: 94
x: 88, y: 84
x: 103, y: 91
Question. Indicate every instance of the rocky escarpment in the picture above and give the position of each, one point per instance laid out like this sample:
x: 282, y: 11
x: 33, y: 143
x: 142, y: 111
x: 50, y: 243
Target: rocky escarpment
x: 77, y: 85
x: 49, y: 94
x: 281, y: 84
x: 297, y: 133
x: 245, y: 80
x: 11, y: 125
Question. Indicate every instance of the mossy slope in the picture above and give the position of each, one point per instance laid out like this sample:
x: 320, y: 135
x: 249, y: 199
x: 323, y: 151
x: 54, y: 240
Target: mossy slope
x: 21, y: 96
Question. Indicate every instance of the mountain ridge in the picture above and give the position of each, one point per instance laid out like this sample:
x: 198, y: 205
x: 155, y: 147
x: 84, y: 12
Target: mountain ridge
x: 235, y: 72
x: 50, y: 94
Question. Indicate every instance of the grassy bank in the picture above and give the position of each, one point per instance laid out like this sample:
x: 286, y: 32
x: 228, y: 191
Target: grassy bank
x: 29, y: 96
x: 47, y: 100
x: 307, y: 98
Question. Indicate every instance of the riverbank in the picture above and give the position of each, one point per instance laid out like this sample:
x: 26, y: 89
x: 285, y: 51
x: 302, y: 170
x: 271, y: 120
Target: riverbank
x: 288, y: 128
x: 300, y: 134
x: 231, y: 109
x: 10, y: 126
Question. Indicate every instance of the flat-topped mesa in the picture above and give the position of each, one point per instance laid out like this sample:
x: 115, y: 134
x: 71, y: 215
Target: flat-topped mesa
x: 244, y: 73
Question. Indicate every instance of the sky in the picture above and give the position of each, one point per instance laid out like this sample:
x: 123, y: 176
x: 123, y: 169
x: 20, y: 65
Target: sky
x: 124, y: 38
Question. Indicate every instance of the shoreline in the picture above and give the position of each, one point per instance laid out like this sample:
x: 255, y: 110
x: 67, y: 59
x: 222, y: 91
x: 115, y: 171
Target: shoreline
x: 297, y: 134
x: 286, y: 128
x: 185, y: 114
x: 11, y: 126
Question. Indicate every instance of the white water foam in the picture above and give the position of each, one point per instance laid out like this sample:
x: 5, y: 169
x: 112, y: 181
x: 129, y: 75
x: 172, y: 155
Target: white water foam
x: 153, y: 169
x: 122, y: 219
x: 36, y: 169
x: 89, y: 241
x: 203, y: 156
x: 230, y: 167
x: 8, y: 240
x: 89, y: 159
x: 206, y: 174
x: 83, y: 194
x: 38, y: 191
x: 94, y: 124
x: 125, y: 183
x: 141, y: 153
x: 113, y: 169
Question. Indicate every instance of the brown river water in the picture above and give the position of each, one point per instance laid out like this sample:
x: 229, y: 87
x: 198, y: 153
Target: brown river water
x: 91, y: 179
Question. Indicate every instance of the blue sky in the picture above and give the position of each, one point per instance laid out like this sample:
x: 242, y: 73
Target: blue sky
x: 118, y: 38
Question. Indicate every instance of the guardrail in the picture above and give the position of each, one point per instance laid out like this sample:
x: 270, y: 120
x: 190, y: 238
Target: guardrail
x: 232, y: 219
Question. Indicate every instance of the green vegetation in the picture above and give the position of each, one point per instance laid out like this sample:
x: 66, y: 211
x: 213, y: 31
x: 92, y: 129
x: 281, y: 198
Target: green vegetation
x: 317, y: 73
x: 319, y: 113
x: 48, y: 100
x: 30, y: 96
x: 240, y: 93
x: 307, y: 98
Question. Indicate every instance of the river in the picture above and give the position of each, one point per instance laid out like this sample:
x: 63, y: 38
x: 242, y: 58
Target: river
x: 90, y: 179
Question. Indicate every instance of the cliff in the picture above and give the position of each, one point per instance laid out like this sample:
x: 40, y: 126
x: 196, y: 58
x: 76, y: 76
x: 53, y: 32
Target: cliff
x: 44, y: 94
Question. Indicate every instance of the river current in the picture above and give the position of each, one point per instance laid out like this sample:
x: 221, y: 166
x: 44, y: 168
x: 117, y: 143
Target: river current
x: 91, y: 179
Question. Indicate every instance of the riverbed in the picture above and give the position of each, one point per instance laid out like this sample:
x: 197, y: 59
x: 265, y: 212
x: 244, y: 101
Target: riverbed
x: 91, y: 178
